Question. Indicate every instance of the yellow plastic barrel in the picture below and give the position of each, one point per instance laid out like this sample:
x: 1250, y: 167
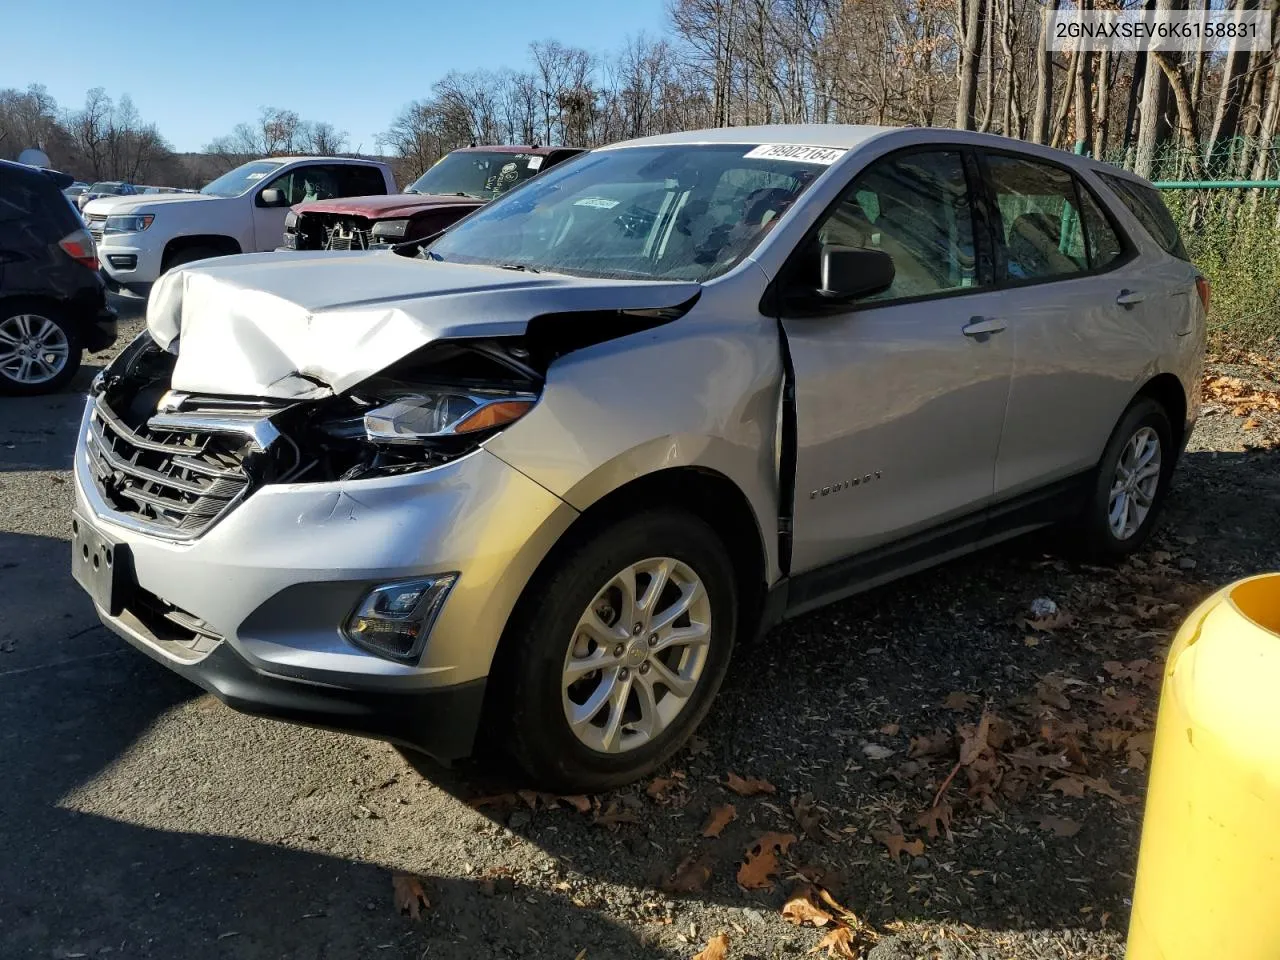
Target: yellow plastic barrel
x: 1208, y: 883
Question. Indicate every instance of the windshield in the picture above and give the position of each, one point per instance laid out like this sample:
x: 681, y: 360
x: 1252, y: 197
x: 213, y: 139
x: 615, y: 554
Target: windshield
x: 679, y: 212
x: 477, y: 173
x: 106, y: 188
x: 237, y: 181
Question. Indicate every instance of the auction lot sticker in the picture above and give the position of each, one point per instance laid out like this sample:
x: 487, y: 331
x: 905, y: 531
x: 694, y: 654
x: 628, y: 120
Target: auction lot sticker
x: 796, y: 151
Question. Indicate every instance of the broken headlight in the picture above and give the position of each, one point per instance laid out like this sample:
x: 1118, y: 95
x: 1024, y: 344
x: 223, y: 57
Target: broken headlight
x: 444, y: 413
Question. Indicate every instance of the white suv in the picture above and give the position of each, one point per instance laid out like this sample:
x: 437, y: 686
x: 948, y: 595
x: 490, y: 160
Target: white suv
x: 243, y: 211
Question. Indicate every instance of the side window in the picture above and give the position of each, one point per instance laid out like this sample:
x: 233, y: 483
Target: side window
x: 915, y: 208
x: 1039, y: 220
x: 1104, y: 244
x: 360, y: 181
x: 285, y: 184
x: 1149, y: 210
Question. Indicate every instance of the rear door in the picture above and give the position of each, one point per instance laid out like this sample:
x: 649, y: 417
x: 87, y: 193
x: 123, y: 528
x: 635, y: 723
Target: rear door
x: 899, y: 396
x: 1087, y: 316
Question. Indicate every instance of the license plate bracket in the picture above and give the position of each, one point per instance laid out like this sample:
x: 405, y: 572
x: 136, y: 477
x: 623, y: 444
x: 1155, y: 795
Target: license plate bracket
x: 99, y: 564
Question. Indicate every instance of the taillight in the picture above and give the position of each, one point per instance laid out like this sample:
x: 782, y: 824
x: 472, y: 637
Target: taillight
x: 79, y: 246
x: 1202, y: 288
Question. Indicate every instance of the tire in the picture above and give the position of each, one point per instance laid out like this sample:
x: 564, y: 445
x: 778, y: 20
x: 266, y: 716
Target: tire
x: 531, y: 701
x: 1100, y: 537
x: 189, y: 255
x: 24, y: 329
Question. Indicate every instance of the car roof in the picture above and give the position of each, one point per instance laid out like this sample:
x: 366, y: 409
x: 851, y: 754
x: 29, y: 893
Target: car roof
x: 534, y: 148
x: 846, y: 135
x: 311, y: 159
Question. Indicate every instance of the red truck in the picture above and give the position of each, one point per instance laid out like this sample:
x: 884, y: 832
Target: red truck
x: 454, y: 186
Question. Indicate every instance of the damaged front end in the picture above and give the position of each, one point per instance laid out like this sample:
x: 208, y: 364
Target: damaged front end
x: 173, y: 462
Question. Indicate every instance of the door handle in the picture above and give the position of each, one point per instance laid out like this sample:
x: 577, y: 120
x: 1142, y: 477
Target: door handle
x: 1128, y: 298
x: 981, y: 326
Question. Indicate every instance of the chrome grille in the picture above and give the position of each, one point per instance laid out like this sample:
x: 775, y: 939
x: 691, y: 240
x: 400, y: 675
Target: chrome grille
x: 96, y: 224
x: 176, y: 474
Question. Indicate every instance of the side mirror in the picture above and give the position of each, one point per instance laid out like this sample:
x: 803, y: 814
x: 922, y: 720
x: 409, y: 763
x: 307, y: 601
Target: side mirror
x: 272, y: 198
x: 852, y: 272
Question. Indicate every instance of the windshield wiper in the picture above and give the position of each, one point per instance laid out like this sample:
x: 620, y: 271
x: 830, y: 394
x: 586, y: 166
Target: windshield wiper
x: 522, y: 267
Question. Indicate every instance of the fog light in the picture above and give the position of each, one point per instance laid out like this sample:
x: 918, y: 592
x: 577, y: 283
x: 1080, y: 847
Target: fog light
x: 394, y: 620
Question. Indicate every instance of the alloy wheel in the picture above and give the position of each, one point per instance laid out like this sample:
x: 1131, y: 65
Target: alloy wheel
x: 33, y: 349
x: 636, y: 655
x: 1134, y: 486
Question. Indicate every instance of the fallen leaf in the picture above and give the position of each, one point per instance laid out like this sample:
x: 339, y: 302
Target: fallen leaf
x: 761, y: 861
x: 1060, y: 826
x: 838, y: 943
x: 614, y: 815
x: 930, y: 744
x: 1099, y: 785
x: 721, y: 817
x: 973, y: 739
x: 578, y: 802
x: 1111, y: 739
x: 801, y: 908
x: 501, y: 800
x: 1068, y: 786
x: 748, y: 786
x: 1251, y: 424
x: 936, y: 819
x: 692, y: 874
x: 530, y: 797
x: 890, y: 729
x: 959, y: 701
x: 408, y: 895
x: 874, y: 751
x: 659, y: 787
x: 898, y: 844
x: 717, y: 948
x: 845, y: 913
x: 808, y: 815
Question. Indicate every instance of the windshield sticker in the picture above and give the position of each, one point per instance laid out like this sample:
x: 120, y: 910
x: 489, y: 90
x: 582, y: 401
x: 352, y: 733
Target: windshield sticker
x: 599, y: 202
x: 535, y: 163
x: 798, y: 152
x: 255, y: 176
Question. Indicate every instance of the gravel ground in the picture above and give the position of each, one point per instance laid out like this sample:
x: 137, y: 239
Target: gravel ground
x: 140, y: 818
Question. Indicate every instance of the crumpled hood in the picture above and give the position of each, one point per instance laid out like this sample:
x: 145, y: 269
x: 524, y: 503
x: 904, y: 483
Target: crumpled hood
x: 306, y: 325
x: 388, y: 205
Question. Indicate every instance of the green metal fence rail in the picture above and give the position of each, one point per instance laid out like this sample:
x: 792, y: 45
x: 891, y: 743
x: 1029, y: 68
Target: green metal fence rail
x: 1216, y: 184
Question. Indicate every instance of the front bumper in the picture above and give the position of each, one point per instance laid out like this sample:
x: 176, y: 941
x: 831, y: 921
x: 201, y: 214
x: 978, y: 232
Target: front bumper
x: 130, y: 261
x: 274, y: 579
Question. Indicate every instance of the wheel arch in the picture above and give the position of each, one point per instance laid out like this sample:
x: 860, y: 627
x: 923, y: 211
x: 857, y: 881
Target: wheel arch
x: 224, y: 244
x: 1167, y: 390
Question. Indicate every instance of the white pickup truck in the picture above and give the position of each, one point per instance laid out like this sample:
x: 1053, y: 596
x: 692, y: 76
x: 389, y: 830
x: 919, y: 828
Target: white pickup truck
x: 243, y: 211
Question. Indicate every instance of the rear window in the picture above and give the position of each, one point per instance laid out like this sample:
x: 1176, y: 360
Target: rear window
x: 1144, y: 203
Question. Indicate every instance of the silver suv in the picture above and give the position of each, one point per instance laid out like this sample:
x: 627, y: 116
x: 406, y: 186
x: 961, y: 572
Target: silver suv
x: 538, y: 478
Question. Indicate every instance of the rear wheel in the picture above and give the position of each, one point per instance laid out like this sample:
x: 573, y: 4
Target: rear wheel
x: 1133, y: 477
x: 616, y: 654
x: 39, y: 350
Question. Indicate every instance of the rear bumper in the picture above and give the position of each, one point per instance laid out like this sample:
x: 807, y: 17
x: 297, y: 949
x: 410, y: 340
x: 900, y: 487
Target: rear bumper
x: 100, y: 330
x: 441, y: 721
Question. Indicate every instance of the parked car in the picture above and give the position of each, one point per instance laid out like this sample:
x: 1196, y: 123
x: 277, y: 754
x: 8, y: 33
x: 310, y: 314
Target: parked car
x: 456, y: 184
x: 240, y: 212
x: 52, y: 303
x: 74, y: 191
x: 539, y: 479
x: 107, y: 188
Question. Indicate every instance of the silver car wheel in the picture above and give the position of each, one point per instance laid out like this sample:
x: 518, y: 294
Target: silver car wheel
x: 636, y: 655
x: 1133, y: 488
x: 33, y: 349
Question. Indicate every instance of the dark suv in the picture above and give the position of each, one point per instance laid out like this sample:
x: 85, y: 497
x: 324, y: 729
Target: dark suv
x: 454, y: 186
x: 52, y: 301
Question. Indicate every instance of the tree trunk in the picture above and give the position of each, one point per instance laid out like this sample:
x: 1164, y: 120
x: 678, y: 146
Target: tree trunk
x: 973, y: 17
x: 1084, y: 97
x: 989, y: 89
x: 1059, y: 129
x: 1044, y: 79
x: 1186, y: 112
x: 1267, y: 132
x: 1226, y: 115
x: 1151, y: 128
x: 1100, y: 120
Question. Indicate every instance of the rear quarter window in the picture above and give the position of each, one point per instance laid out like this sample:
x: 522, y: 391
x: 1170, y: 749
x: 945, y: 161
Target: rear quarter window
x: 360, y: 181
x: 1145, y: 204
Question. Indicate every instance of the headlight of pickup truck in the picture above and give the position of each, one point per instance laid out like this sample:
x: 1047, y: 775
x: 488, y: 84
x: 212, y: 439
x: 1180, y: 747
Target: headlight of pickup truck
x: 391, y: 229
x: 128, y: 223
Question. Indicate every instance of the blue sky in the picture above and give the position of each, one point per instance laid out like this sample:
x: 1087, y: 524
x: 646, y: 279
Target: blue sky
x: 197, y: 68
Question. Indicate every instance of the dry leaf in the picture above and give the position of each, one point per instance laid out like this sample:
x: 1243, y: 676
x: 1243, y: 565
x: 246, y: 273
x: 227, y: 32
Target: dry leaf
x: 973, y: 739
x: 500, y: 800
x: 807, y: 814
x: 578, y: 802
x: 692, y: 874
x: 614, y: 815
x: 408, y: 895
x: 801, y: 908
x: 1068, y: 786
x: 717, y: 948
x: 935, y: 819
x: 748, y: 786
x: 898, y: 844
x: 845, y: 913
x: 890, y: 729
x: 1099, y: 785
x: 959, y: 701
x: 761, y: 861
x: 931, y: 744
x: 530, y: 797
x: 838, y: 943
x: 659, y: 787
x: 1251, y: 424
x: 1060, y: 826
x: 874, y: 751
x: 721, y: 817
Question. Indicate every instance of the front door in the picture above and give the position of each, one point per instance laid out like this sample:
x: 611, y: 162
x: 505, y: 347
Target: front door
x: 900, y: 397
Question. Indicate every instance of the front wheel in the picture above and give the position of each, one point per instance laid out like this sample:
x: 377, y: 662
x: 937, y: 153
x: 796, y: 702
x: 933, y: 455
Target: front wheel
x: 1133, y: 477
x: 617, y: 652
